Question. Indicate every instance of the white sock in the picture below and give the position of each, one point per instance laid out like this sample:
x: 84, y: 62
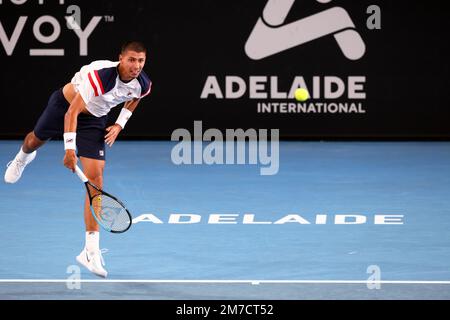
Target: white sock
x: 22, y: 156
x: 92, y: 241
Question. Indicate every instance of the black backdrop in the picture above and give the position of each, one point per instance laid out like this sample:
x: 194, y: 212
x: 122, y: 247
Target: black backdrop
x: 405, y: 64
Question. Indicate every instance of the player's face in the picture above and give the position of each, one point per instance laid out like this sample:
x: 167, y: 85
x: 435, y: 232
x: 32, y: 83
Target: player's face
x: 131, y: 64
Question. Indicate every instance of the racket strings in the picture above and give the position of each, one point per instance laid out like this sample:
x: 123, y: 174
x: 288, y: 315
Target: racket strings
x: 110, y: 213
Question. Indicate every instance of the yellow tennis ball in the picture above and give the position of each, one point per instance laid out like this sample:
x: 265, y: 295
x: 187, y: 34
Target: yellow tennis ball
x: 301, y: 94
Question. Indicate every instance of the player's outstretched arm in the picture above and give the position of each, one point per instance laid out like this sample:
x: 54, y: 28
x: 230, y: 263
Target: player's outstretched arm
x: 70, y: 128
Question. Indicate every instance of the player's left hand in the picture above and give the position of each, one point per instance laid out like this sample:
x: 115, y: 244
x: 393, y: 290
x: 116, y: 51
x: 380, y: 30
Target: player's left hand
x: 113, y: 132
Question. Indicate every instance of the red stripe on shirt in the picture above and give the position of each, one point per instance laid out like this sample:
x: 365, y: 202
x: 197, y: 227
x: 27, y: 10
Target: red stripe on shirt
x: 92, y: 84
x: 148, y: 91
x: 99, y: 81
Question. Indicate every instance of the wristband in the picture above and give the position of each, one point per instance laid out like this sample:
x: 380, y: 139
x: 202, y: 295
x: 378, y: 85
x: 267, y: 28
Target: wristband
x: 70, y: 140
x: 123, y: 117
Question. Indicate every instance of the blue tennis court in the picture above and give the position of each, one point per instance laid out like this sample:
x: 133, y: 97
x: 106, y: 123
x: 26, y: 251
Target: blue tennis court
x: 340, y: 220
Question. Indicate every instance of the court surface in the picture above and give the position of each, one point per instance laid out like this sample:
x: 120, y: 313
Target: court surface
x: 312, y: 231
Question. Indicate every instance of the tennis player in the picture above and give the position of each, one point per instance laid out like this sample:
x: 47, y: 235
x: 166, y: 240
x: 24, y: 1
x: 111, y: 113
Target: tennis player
x: 79, y: 111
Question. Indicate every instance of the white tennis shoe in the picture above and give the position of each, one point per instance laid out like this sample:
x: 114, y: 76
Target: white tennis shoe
x: 16, y: 167
x: 93, y: 261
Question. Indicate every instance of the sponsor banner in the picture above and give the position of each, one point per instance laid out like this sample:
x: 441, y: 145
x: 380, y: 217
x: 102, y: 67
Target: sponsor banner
x: 373, y: 69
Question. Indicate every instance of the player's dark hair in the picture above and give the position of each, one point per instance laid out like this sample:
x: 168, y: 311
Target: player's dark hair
x: 133, y: 46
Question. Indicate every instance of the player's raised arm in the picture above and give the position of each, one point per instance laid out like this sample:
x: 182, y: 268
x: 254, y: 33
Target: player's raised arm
x: 70, y: 130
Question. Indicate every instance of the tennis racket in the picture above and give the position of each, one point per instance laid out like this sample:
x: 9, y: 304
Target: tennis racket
x: 109, y: 212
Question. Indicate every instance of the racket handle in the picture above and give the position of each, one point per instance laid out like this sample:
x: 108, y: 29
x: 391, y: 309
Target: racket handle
x: 80, y: 174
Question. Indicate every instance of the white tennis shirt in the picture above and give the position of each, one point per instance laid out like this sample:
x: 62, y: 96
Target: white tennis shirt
x: 100, y: 86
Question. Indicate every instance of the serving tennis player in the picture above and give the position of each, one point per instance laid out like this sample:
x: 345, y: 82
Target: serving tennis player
x: 79, y: 112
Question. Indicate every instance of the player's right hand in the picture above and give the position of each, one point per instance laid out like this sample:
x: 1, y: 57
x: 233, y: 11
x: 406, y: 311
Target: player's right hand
x: 70, y: 159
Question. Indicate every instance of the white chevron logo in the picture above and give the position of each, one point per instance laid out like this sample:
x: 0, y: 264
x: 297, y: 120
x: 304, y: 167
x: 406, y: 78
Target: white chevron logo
x: 271, y: 36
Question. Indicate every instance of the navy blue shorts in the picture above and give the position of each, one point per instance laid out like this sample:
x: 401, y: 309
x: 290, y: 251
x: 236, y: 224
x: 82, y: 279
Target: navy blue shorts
x: 90, y: 129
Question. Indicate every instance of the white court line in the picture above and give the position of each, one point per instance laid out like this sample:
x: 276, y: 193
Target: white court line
x: 228, y: 281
